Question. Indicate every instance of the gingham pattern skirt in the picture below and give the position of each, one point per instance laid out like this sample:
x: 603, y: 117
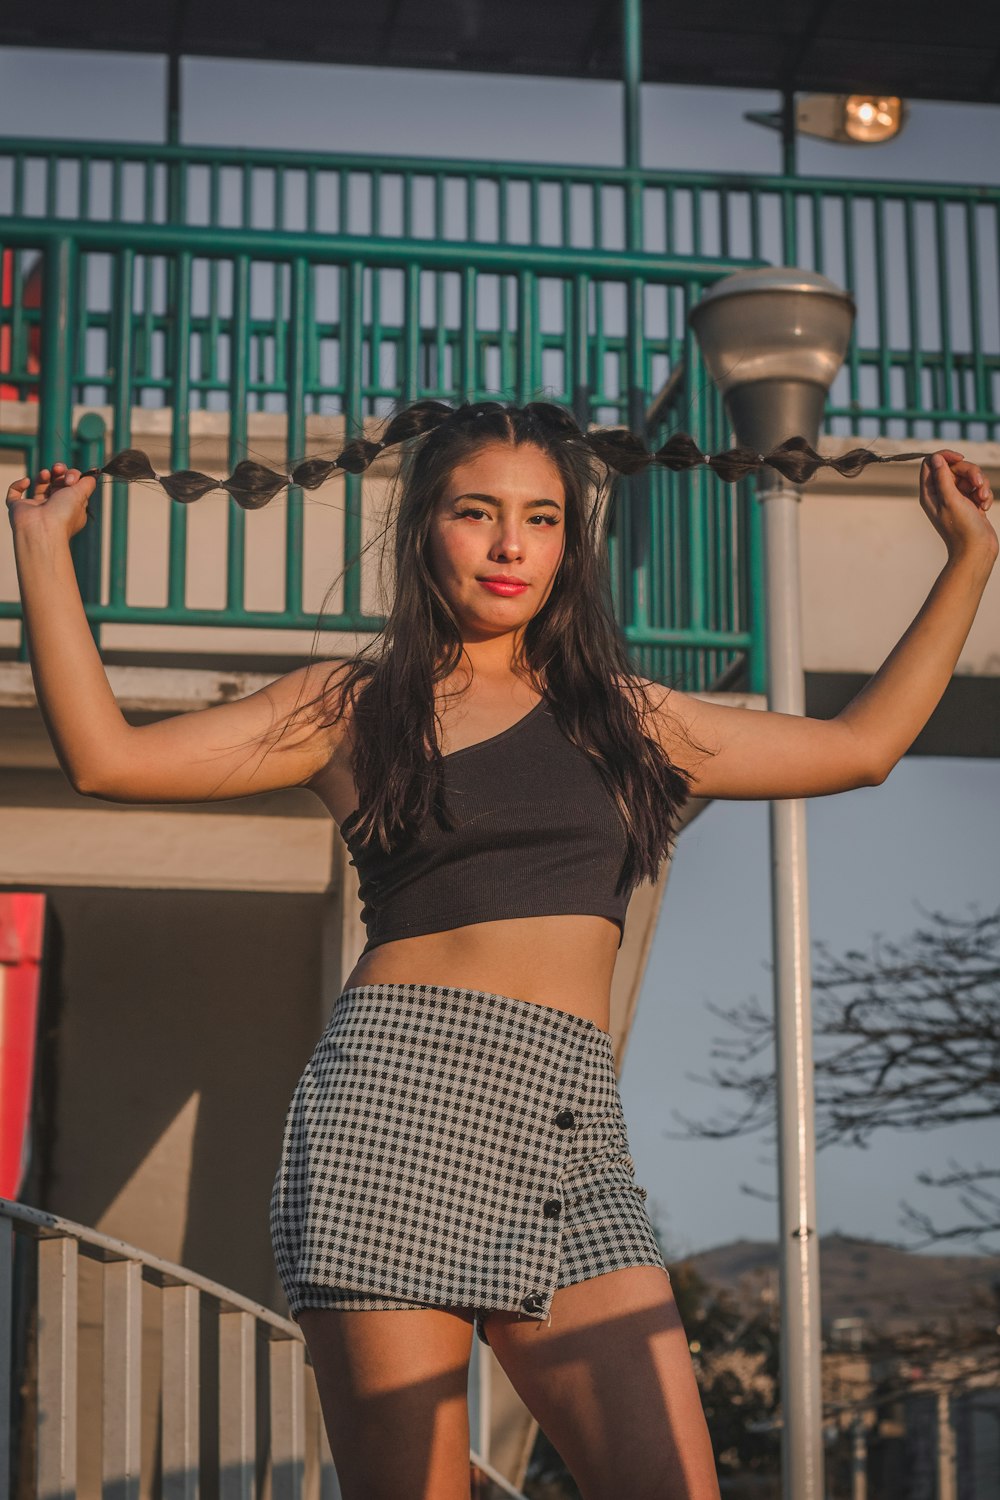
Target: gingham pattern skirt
x: 454, y: 1148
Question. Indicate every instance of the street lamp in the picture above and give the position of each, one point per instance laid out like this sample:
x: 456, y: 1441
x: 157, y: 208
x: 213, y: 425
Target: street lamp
x: 773, y: 340
x: 848, y: 119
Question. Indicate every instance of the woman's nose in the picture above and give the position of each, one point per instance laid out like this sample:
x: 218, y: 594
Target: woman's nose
x: 507, y: 545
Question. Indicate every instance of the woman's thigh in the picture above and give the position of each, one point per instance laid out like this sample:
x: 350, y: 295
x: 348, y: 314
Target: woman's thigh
x: 393, y: 1386
x: 611, y: 1383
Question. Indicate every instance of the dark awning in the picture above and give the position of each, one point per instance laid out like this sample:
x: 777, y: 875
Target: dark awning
x: 915, y: 48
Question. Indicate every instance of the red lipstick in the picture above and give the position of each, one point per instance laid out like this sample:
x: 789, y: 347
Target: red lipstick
x: 505, y: 584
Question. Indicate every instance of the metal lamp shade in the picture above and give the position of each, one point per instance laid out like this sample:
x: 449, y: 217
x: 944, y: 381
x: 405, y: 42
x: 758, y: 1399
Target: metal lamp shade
x: 773, y: 340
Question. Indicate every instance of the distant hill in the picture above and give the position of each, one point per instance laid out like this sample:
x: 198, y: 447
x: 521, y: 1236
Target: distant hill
x: 891, y: 1289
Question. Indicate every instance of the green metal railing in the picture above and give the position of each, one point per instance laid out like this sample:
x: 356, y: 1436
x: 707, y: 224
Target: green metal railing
x: 305, y: 325
x: 311, y: 286
x: 922, y: 259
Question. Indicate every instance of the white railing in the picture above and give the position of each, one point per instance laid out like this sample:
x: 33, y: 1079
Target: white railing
x: 219, y: 1353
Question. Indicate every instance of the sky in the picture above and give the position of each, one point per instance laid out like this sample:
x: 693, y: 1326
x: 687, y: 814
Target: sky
x: 928, y: 837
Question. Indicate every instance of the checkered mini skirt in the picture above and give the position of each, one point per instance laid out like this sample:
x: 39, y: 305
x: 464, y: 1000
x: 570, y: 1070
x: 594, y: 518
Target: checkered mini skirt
x: 458, y: 1149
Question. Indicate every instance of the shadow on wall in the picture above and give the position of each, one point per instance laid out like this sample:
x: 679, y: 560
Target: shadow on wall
x: 175, y: 1025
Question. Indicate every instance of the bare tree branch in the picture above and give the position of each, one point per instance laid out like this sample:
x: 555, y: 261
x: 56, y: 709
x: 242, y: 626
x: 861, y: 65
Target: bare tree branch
x: 906, y: 1037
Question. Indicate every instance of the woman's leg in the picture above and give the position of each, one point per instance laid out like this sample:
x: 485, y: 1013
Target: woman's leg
x: 611, y: 1383
x: 393, y: 1387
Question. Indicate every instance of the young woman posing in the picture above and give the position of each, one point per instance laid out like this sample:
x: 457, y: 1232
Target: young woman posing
x: 455, y: 1149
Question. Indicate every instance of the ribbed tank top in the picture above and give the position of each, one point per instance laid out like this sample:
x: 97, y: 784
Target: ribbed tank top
x: 536, y: 834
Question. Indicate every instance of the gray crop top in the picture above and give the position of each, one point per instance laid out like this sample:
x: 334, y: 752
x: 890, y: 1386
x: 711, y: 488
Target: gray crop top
x: 536, y: 834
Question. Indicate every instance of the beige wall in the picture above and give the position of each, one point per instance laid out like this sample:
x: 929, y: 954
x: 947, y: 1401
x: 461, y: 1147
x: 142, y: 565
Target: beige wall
x: 177, y: 1024
x: 869, y: 556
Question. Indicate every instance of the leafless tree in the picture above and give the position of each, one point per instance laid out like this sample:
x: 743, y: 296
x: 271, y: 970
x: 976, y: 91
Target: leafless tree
x: 907, y: 1037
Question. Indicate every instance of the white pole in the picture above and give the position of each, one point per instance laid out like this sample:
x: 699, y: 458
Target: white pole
x: 859, y: 1459
x: 946, y: 1486
x: 801, y: 1392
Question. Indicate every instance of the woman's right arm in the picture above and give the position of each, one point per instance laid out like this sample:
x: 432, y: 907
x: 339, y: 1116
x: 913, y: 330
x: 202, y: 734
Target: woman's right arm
x: 207, y: 755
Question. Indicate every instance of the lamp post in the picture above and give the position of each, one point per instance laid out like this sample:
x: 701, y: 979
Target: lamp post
x: 773, y: 340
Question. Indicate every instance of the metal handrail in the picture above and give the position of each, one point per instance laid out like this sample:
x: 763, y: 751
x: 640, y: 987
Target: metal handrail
x: 295, y: 1444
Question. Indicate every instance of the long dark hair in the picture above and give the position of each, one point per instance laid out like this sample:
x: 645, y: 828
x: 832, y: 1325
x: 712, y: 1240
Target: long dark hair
x: 572, y: 650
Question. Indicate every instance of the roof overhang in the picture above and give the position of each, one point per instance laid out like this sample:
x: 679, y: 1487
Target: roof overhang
x: 825, y: 46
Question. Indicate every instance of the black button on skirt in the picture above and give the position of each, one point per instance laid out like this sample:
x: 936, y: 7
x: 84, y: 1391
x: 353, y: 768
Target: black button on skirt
x: 454, y: 1148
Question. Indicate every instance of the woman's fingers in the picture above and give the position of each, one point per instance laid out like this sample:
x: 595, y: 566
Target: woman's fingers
x: 952, y: 471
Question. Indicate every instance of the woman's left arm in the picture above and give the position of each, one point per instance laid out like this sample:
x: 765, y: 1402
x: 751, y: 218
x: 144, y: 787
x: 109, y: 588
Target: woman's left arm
x: 773, y: 755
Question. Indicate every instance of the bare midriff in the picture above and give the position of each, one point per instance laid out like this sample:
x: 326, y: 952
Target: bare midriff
x: 562, y: 961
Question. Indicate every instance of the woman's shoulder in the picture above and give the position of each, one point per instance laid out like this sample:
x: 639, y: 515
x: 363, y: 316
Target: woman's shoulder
x: 318, y: 695
x: 670, y: 717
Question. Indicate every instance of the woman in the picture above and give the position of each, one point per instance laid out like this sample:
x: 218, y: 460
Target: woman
x: 455, y: 1149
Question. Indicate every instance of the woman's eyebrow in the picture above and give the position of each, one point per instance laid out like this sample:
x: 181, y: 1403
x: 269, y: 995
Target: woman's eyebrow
x: 492, y: 500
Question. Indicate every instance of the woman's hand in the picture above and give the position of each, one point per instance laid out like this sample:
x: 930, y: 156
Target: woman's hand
x: 955, y: 495
x: 59, y: 499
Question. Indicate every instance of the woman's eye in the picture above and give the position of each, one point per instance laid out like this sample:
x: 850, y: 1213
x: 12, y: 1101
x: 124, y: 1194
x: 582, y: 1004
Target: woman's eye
x: 463, y: 513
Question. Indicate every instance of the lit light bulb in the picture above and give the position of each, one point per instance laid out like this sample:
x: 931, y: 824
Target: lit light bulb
x: 870, y: 119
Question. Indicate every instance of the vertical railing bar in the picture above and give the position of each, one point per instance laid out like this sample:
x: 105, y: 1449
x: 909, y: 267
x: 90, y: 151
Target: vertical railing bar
x: 18, y: 204
x: 915, y: 363
x: 211, y: 371
x: 51, y: 187
x: 695, y: 379
x: 722, y: 199
x: 351, y: 313
x: 789, y: 226
x: 121, y: 406
x: 181, y: 1438
x: 754, y: 209
x: 238, y: 358
x: 246, y: 195
x: 853, y: 376
x: 470, y: 372
x: 237, y: 1406
x: 600, y: 349
x: 295, y: 449
x: 503, y: 183
x: 881, y: 294
x: 144, y: 355
x: 343, y: 201
x: 526, y: 335
x: 981, y: 404
x: 470, y: 180
x: 581, y: 377
x: 946, y: 398
x: 279, y: 331
x: 117, y: 168
x: 439, y: 310
x: 506, y: 372
x: 411, y: 333
x: 121, y: 1444
x: 408, y: 205
x: 819, y: 254
x: 57, y: 1367
x: 288, y: 1424
x: 375, y: 331
x: 638, y: 488
x: 86, y: 164
x: 18, y: 335
x: 149, y: 191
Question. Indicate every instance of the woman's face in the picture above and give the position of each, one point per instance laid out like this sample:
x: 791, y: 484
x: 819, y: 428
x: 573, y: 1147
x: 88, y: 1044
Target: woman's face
x: 500, y: 517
